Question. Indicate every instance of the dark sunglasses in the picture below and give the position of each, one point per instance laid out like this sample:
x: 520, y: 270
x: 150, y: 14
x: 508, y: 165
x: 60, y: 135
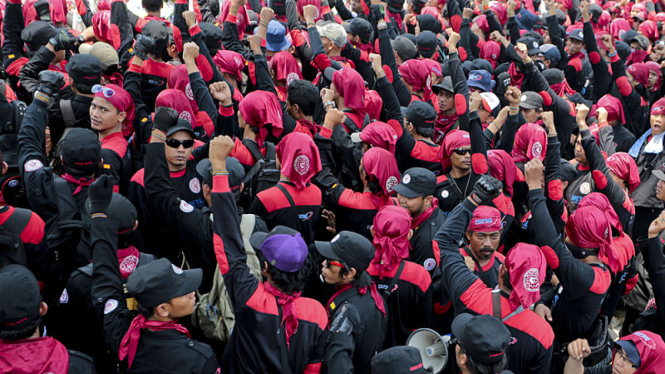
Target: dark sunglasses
x: 175, y: 143
x: 461, y: 151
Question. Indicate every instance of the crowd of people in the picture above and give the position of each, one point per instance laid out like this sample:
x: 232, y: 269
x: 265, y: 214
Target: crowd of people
x: 312, y: 186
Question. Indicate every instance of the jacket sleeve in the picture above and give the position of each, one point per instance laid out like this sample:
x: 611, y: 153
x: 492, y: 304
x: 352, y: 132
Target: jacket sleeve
x: 513, y: 30
x: 342, y: 10
x: 479, y: 164
x: 12, y: 45
x: 86, y: 14
x: 554, y: 189
x: 557, y: 40
x: 206, y: 13
x: 507, y: 140
x: 654, y: 262
x: 461, y: 90
x: 29, y: 75
x: 120, y: 17
x: 199, y: 38
x: 142, y: 118
x: 203, y: 97
x: 231, y: 38
x: 388, y: 58
x: 338, y: 357
x: 602, y: 77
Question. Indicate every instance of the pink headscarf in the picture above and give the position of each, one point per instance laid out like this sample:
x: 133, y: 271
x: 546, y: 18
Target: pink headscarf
x: 299, y: 157
x: 300, y: 5
x: 618, y: 27
x: 499, y: 11
x: 104, y: 30
x: 624, y: 167
x: 122, y: 101
x: 491, y: 51
x: 285, y: 67
x: 261, y: 109
x: 453, y: 140
x: 527, y: 267
x: 434, y: 66
x: 658, y: 107
x: 58, y: 10
x: 230, y: 62
x: 417, y: 74
x: 654, y: 67
x: 381, y: 166
x: 179, y: 80
x: 481, y: 21
x: 351, y: 82
x: 502, y: 167
x: 651, y: 349
x: 614, y: 108
x: 177, y: 100
x: 640, y: 72
x: 380, y: 134
x: 589, y: 227
x: 391, y: 237
x: 530, y: 143
x: 485, y: 219
x: 650, y: 30
x: 373, y: 104
x: 242, y: 19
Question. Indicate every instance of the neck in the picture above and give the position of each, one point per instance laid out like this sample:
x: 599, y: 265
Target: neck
x: 158, y: 318
x: 335, y: 52
x: 157, y: 13
x: 449, y: 112
x: 176, y: 168
x: 308, y: 118
x: 416, y: 136
x: 85, y: 95
x: 283, y: 178
x: 422, y: 211
x: 591, y: 260
x: 458, y: 173
x: 35, y: 335
x: 104, y: 133
x: 339, y: 101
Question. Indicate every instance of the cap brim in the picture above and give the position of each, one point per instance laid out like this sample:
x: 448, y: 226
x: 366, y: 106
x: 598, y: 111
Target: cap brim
x: 659, y: 174
x: 528, y: 106
x: 326, y: 250
x: 404, y: 109
x: 257, y: 239
x: 193, y: 279
x: 173, y: 130
x: 458, y: 325
x: 441, y: 86
x: 405, y: 191
x: 328, y: 73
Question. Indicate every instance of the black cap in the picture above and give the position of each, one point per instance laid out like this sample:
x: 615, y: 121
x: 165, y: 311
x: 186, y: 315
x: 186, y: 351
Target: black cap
x: 329, y: 72
x: 233, y: 166
x: 121, y: 211
x: 361, y: 28
x: 19, y: 298
x: 446, y: 85
x: 531, y: 100
x: 350, y: 248
x: 81, y: 150
x: 37, y: 34
x: 567, y: 171
x: 532, y: 45
x: 428, y: 22
x: 421, y: 114
x: 84, y: 69
x: 553, y: 76
x: 395, y: 6
x: 160, y: 281
x: 159, y: 31
x: 577, y: 34
x: 427, y: 43
x: 181, y: 125
x: 404, y: 47
x: 483, y: 337
x: 213, y: 36
x: 398, y: 360
x: 418, y: 5
x: 417, y: 182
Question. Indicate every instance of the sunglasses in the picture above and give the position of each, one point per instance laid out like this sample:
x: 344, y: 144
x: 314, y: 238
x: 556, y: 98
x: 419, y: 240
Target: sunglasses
x: 107, y: 92
x: 336, y: 263
x: 461, y: 151
x: 175, y: 143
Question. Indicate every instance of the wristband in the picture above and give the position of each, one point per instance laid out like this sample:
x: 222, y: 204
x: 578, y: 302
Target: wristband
x: 612, y: 54
x: 42, y: 96
x: 158, y: 136
x: 311, y: 24
x: 263, y: 23
x: 216, y: 173
x: 98, y: 215
x: 514, y: 108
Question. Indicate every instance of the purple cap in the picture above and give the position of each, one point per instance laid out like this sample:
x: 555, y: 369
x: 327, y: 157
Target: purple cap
x: 283, y: 247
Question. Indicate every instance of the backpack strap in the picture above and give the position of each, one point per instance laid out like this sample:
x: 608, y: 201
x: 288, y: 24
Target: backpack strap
x: 286, y: 369
x: 253, y: 148
x: 271, y: 152
x: 87, y: 270
x: 294, y: 208
x: 496, y: 304
x: 67, y: 113
x: 387, y: 292
x: 18, y: 220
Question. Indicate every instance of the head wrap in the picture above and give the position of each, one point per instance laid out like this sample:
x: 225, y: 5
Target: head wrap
x: 122, y: 101
x: 482, y: 23
x: 177, y: 100
x: 101, y: 26
x: 299, y: 157
x: 658, y: 107
x: 624, y: 167
x: 391, y: 237
x: 651, y: 349
x: 380, y: 134
x: 230, y: 62
x: 179, y: 80
x: 491, y: 51
x: 373, y: 104
x: 485, y: 219
x: 351, y: 82
x: 614, y: 108
x: 453, y: 140
x: 499, y: 11
x: 618, y: 27
x: 434, y: 66
x: 242, y: 19
x: 530, y: 143
x: 502, y: 167
x: 262, y: 109
x: 300, y: 5
x: 640, y: 72
x: 649, y: 29
x: 589, y: 227
x: 655, y: 68
x: 286, y: 69
x: 527, y: 267
x: 417, y: 74
x: 381, y: 166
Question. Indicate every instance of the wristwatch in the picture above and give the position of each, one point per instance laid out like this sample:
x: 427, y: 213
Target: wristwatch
x: 325, y: 105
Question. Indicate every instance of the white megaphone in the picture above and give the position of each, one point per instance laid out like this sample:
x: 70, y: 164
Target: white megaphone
x: 433, y: 348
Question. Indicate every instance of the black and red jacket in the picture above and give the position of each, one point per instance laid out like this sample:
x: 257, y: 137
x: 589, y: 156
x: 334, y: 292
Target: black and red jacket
x: 253, y: 347
x: 31, y: 235
x: 117, y: 162
x: 488, y: 273
x: 355, y: 211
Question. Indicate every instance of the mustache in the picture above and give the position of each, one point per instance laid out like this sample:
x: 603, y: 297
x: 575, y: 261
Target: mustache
x: 486, y: 249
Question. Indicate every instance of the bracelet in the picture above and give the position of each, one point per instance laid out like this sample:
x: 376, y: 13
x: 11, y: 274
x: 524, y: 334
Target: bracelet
x: 311, y: 24
x: 216, y: 173
x: 42, y: 96
x: 612, y: 54
x: 330, y: 103
x: 263, y: 23
x: 158, y: 135
x: 98, y: 215
x: 513, y: 108
x: 381, y: 25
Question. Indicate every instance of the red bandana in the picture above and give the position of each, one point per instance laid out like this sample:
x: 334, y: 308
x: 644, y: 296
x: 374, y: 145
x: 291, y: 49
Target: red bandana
x: 80, y: 183
x: 289, y: 316
x: 130, y: 342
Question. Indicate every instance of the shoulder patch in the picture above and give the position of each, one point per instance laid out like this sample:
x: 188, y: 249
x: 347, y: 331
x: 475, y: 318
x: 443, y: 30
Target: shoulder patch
x: 110, y: 306
x: 186, y: 207
x: 64, y: 298
x: 32, y: 165
x: 429, y: 264
x: 195, y: 185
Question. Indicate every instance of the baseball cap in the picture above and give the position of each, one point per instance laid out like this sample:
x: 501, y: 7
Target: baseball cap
x: 37, y: 34
x: 483, y: 337
x: 553, y: 76
x: 481, y: 79
x: 567, y: 171
x: 531, y: 100
x: 630, y: 349
x: 404, y: 47
x: 181, y: 125
x: 213, y: 36
x: 81, y: 150
x: 446, y: 85
x: 421, y: 114
x: 550, y: 52
x: 395, y: 6
x: 329, y: 73
x: 398, y: 360
x: 525, y: 19
x: 333, y: 31
x: 427, y: 43
x: 531, y: 44
x: 350, y: 248
x: 491, y: 103
x: 283, y: 247
x: 361, y: 28
x: 276, y: 40
x: 19, y: 298
x: 159, y: 31
x: 106, y: 54
x: 417, y: 182
x: 84, y: 69
x: 577, y: 34
x: 121, y: 211
x: 233, y: 166
x: 642, y: 40
x: 660, y: 174
x: 160, y: 281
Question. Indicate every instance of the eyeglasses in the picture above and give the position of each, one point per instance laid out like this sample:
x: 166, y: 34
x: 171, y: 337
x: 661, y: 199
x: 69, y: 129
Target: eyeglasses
x: 336, y: 263
x: 623, y: 357
x: 107, y: 92
x: 175, y: 143
x: 461, y: 151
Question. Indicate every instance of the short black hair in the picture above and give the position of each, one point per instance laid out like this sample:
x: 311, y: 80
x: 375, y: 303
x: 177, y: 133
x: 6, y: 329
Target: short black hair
x: 427, y: 132
x: 288, y: 282
x: 305, y: 94
x: 344, y: 271
x: 145, y: 312
x: 82, y: 88
x: 152, y: 5
x: 24, y: 333
x: 476, y: 367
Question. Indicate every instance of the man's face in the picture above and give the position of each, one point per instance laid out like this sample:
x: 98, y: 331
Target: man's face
x: 653, y: 79
x: 483, y: 244
x: 103, y: 115
x: 660, y: 190
x: 330, y: 271
x: 657, y: 123
x: 415, y: 205
x: 446, y: 100
x: 182, y: 306
x: 545, y: 61
x: 461, y: 161
x: 530, y: 115
x: 621, y: 364
x: 177, y: 157
x: 485, y: 116
x: 658, y: 52
x: 580, y: 155
x: 575, y: 46
x: 358, y: 6
x: 636, y: 46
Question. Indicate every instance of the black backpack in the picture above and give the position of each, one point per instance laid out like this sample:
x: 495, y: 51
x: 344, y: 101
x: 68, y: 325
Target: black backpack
x: 587, y: 87
x: 264, y: 174
x: 12, y: 250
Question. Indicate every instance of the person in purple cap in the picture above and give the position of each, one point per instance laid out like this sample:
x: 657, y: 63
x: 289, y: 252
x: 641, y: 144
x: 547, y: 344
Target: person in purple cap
x: 276, y: 330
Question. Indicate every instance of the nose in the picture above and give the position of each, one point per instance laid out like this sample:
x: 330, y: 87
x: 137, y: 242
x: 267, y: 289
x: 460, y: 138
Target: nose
x: 487, y: 242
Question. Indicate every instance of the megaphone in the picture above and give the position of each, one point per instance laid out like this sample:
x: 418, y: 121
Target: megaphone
x: 433, y: 348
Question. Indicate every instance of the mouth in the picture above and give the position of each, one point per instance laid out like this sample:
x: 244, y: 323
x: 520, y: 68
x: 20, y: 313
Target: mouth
x: 95, y: 123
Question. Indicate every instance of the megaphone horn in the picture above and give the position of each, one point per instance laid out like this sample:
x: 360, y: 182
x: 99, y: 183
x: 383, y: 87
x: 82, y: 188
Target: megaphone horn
x: 433, y: 348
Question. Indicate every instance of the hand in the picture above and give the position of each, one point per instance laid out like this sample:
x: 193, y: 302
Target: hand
x: 100, y: 194
x: 500, y: 120
x: 327, y: 94
x: 267, y: 14
x: 486, y: 189
x: 334, y: 117
x: 582, y: 112
x: 255, y: 44
x: 346, y: 320
x: 332, y: 221
x: 533, y: 173
x: 579, y: 349
x: 238, y: 3
x: 657, y: 226
x: 190, y: 51
x: 165, y: 117
x: 475, y: 100
x: 309, y: 12
x: 607, y: 41
x: 453, y: 39
x: 190, y: 18
x: 468, y: 13
x: 512, y: 5
x: 496, y: 36
x: 601, y: 114
x: 221, y: 92
x: 375, y: 2
x: 64, y: 40
x: 521, y: 50
x: 50, y: 81
x: 220, y: 149
x: 584, y: 5
x: 143, y: 46
x: 544, y: 312
x: 513, y: 95
x: 376, y: 62
x: 548, y: 119
x: 470, y: 263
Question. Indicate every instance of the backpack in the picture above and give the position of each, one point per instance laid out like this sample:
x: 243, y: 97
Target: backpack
x: 264, y: 174
x: 214, y: 312
x: 12, y: 250
x: 587, y: 88
x: 9, y: 126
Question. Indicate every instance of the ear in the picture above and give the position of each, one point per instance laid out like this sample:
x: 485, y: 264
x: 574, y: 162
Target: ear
x: 136, y: 225
x: 351, y: 273
x: 296, y: 108
x: 410, y: 235
x: 4, y: 168
x: 428, y: 200
x: 272, y: 74
x: 162, y: 310
x: 265, y: 267
x: 490, y: 118
x: 43, y: 309
x: 371, y: 229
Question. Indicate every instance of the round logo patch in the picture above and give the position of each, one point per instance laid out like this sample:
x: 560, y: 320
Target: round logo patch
x: 33, y: 165
x: 301, y: 164
x: 186, y: 207
x: 64, y: 298
x: 291, y: 77
x: 110, y: 306
x: 406, y: 179
x: 188, y: 92
x: 335, y: 238
x: 195, y: 185
x: 129, y: 263
x: 176, y: 269
x: 536, y: 149
x: 585, y: 188
x: 531, y: 280
x: 237, y: 60
x: 391, y: 183
x: 445, y: 194
x: 523, y: 98
x: 186, y: 116
x: 429, y: 264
